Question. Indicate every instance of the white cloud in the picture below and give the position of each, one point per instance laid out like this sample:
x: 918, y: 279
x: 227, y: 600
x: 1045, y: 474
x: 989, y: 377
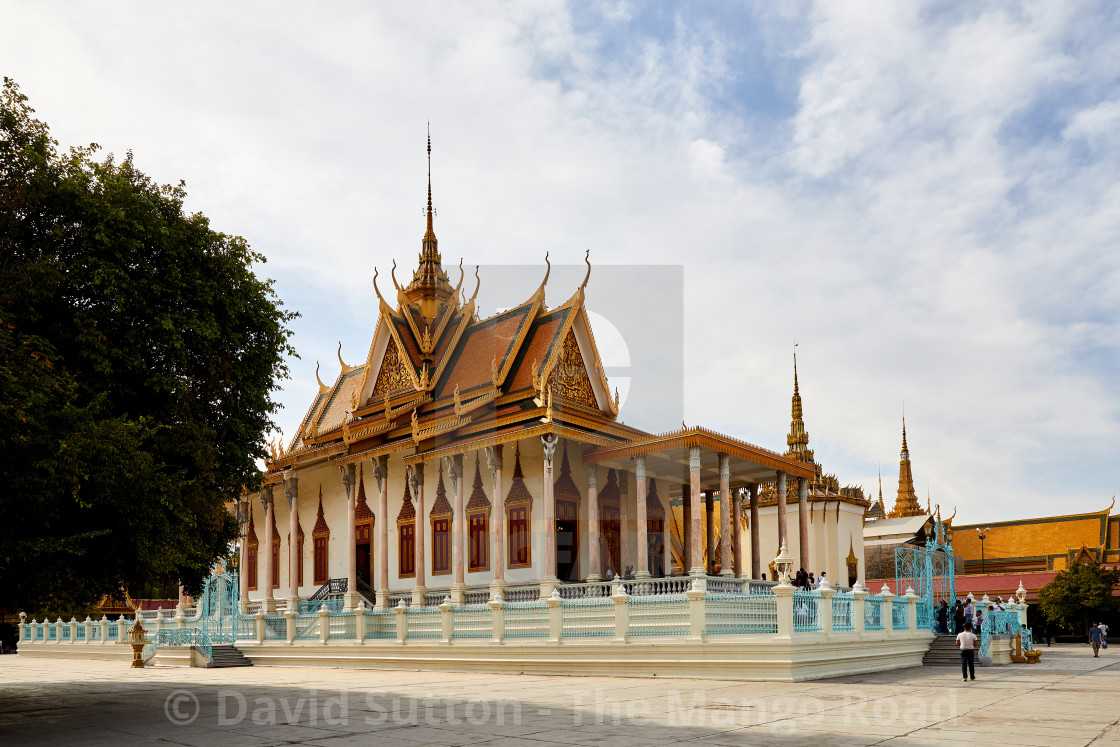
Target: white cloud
x: 898, y: 223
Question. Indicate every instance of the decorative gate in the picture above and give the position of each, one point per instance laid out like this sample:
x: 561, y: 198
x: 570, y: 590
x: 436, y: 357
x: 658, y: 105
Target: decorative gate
x: 218, y: 605
x: 930, y: 572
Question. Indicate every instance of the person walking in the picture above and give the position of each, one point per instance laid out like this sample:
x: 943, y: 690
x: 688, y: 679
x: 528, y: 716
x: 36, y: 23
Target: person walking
x: 1095, y: 639
x: 1104, y: 634
x: 969, y: 611
x: 966, y: 642
x: 943, y: 618
x: 958, y: 617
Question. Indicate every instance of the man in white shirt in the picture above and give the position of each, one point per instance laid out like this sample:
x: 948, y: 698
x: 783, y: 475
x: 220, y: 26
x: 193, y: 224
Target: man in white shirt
x: 821, y: 581
x: 1104, y: 635
x: 966, y: 642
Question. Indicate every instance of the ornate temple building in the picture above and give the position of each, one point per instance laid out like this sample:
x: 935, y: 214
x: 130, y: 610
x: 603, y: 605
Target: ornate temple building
x: 468, y: 454
x: 905, y: 524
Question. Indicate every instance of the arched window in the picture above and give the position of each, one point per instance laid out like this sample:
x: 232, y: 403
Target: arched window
x: 298, y: 551
x: 274, y: 569
x: 320, y: 536
x: 478, y: 525
x: 251, y: 553
x: 440, y: 516
x: 519, y: 508
x: 406, y: 536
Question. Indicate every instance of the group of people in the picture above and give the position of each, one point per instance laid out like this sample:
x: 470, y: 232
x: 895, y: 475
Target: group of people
x: 805, y: 580
x: 964, y: 615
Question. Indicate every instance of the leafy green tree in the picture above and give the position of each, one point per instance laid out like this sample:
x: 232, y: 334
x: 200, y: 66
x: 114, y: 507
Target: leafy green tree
x: 1079, y: 596
x: 138, y: 356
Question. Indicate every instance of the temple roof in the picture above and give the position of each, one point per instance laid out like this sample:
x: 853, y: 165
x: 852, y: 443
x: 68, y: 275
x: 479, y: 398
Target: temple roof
x: 906, y: 504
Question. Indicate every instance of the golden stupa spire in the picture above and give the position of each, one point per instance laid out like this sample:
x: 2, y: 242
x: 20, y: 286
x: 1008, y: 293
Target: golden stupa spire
x: 798, y: 438
x: 906, y: 503
x: 429, y: 285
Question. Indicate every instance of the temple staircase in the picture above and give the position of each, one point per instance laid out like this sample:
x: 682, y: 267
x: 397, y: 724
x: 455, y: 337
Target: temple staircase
x: 228, y: 656
x: 943, y: 652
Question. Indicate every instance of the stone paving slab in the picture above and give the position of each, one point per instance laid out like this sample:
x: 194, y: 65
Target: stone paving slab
x: 1068, y: 699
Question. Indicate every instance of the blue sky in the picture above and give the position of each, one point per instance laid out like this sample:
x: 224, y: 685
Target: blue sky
x: 923, y: 196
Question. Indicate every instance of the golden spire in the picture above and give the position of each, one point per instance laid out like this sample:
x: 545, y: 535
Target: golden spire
x: 798, y: 438
x: 429, y: 284
x: 906, y: 503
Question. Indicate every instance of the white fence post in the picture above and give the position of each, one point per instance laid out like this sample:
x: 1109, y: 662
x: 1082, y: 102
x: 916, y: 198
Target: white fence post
x: 859, y: 606
x: 696, y: 609
x: 497, y: 618
x: 360, y: 622
x: 825, y: 612
x: 621, y: 613
x: 402, y: 621
x: 259, y: 617
x: 888, y: 608
x: 88, y: 625
x: 555, y: 616
x: 324, y: 624
x: 784, y: 603
x: 104, y: 623
x: 289, y: 625
x: 911, y: 610
x: 445, y: 619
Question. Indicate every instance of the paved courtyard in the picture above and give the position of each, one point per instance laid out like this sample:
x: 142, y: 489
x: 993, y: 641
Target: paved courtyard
x: 1068, y: 699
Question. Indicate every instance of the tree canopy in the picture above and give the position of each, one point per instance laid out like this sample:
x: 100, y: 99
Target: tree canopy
x: 1080, y: 595
x: 138, y: 357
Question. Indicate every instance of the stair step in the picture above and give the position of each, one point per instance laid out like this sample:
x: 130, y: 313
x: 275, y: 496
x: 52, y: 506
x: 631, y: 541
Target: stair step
x: 228, y: 656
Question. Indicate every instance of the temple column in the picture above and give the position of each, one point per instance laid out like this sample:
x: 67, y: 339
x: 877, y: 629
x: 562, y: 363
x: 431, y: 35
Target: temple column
x: 416, y: 484
x: 756, y: 542
x: 625, y: 530
x: 351, y: 597
x: 642, y: 570
x: 497, y: 522
x: 696, y: 544
x: 548, y: 578
x: 269, y: 605
x: 454, y: 466
x: 803, y: 521
x: 780, y: 492
x: 381, y: 474
x: 736, y: 533
x: 291, y: 492
x: 686, y: 526
x: 594, y: 555
x: 709, y: 532
x: 243, y: 509
x: 727, y: 541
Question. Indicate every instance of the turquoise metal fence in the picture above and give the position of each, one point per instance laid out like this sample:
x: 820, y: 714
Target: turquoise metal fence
x: 194, y: 637
x: 740, y: 614
x: 381, y: 625
x: 80, y: 632
x: 588, y: 618
x: 898, y: 617
x: 114, y: 632
x: 873, y: 612
x: 244, y: 628
x: 424, y: 623
x: 275, y: 628
x: 472, y: 621
x: 341, y: 626
x: 307, y: 627
x: 333, y: 605
x: 65, y: 631
x: 806, y: 611
x: 663, y: 615
x: 843, y: 608
x: 525, y: 620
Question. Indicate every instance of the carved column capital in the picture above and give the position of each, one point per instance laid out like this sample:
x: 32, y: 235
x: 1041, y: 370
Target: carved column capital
x: 493, y: 457
x: 549, y: 443
x: 266, y: 497
x: 694, y: 459
x: 640, y: 469
x: 454, y: 466
x: 380, y: 470
x: 592, y: 477
x: 291, y: 490
x: 724, y: 467
x: 415, y: 474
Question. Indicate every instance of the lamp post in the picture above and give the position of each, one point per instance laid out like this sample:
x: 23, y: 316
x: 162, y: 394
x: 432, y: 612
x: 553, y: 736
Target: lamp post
x: 983, y: 533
